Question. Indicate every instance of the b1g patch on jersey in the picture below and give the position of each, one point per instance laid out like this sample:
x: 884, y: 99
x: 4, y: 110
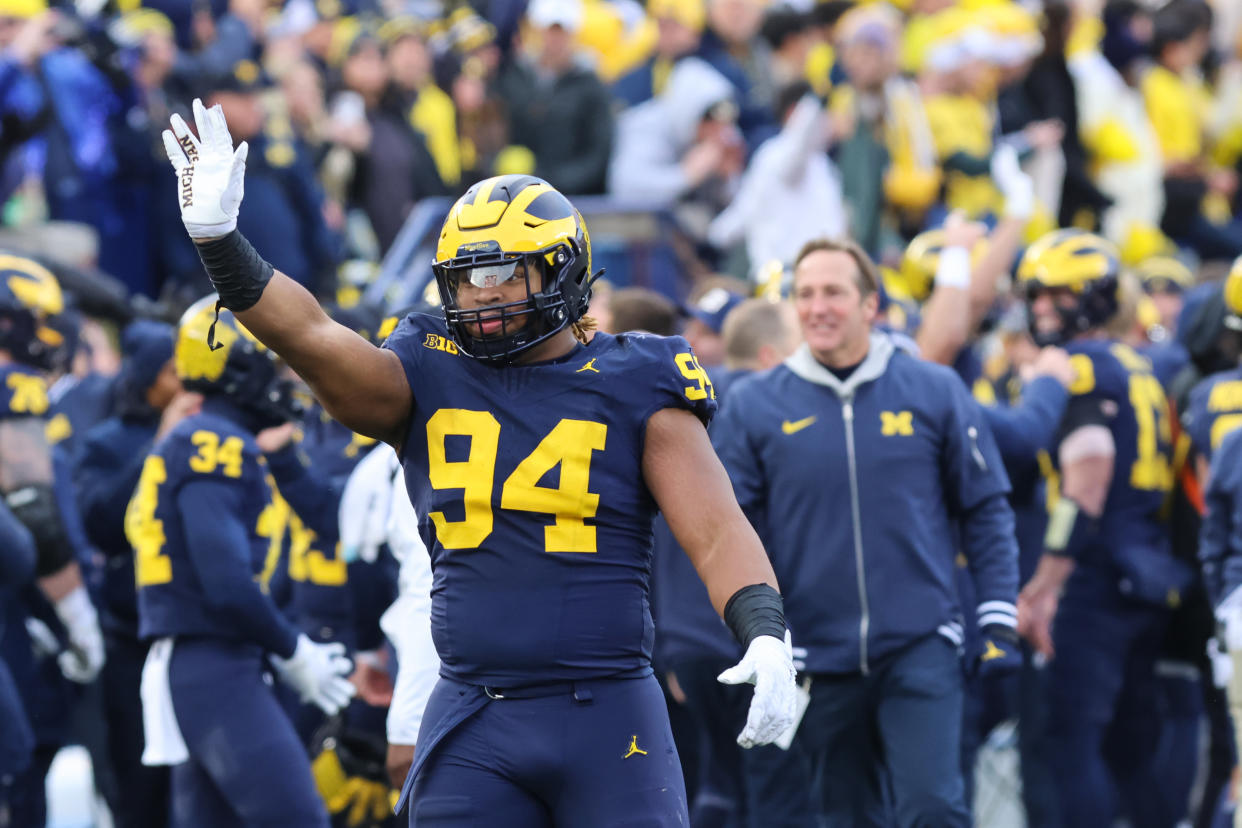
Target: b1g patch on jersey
x: 440, y: 343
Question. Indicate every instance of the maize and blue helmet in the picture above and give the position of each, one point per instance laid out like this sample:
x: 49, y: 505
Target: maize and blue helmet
x: 498, y: 223
x: 29, y: 297
x: 237, y: 366
x: 1081, y: 262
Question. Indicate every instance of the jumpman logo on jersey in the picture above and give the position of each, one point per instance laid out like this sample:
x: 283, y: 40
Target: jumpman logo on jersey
x: 590, y: 366
x: 634, y: 748
x: 991, y: 652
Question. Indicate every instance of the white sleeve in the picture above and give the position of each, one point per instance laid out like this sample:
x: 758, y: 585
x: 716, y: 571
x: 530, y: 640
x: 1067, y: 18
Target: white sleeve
x: 407, y: 623
x: 365, y: 505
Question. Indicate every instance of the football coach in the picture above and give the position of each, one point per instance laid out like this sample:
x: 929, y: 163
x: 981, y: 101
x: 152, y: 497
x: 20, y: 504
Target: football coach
x: 866, y: 472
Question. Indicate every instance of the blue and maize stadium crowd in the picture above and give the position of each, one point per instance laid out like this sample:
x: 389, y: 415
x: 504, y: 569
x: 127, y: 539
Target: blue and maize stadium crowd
x: 1045, y: 200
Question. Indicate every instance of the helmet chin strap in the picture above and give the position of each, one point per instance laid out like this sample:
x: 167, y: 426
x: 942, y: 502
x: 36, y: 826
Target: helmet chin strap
x: 214, y: 344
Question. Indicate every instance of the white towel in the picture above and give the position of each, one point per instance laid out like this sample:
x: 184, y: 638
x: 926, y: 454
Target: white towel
x: 163, y: 736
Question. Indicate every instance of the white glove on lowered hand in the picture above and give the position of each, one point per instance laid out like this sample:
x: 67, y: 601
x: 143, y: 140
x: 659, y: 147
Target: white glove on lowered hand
x: 210, y: 173
x: 1016, y: 187
x: 317, y: 672
x: 767, y: 664
x: 84, y: 658
x: 1231, y: 618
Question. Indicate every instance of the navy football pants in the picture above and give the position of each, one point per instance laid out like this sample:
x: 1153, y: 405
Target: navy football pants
x: 607, y: 759
x: 1103, y: 677
x: 891, y: 736
x: 247, y: 766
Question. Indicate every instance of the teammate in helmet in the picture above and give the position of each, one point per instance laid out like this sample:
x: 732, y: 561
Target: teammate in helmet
x: 204, y: 522
x: 32, y: 487
x: 1107, y: 557
x: 547, y: 710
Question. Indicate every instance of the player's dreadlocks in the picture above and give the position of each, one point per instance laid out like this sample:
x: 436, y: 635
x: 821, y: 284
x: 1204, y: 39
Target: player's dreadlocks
x: 583, y: 327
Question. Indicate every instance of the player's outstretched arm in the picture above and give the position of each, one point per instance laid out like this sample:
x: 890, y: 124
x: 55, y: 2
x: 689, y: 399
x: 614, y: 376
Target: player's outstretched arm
x: 360, y: 385
x: 693, y: 491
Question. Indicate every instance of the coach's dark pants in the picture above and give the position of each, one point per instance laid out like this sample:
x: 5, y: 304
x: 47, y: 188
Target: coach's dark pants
x: 247, y: 766
x: 872, y: 750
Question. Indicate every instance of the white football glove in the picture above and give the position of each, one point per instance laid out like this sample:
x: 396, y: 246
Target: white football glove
x: 1231, y: 618
x: 767, y: 664
x: 1015, y: 186
x: 210, y: 173
x: 84, y: 658
x: 317, y: 672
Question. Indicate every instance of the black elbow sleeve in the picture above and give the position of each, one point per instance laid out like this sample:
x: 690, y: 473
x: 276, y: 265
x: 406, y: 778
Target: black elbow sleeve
x: 36, y: 508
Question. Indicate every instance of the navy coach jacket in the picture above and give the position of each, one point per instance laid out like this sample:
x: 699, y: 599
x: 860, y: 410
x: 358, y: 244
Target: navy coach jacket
x: 864, y: 492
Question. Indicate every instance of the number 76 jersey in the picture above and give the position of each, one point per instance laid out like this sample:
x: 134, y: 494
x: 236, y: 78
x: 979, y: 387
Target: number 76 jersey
x: 538, y: 520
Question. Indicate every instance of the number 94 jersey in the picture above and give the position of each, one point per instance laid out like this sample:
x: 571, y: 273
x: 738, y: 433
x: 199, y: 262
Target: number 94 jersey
x: 538, y: 520
x: 1113, y: 386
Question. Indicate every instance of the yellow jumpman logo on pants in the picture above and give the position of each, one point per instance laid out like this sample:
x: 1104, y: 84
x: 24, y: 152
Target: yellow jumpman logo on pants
x: 634, y: 748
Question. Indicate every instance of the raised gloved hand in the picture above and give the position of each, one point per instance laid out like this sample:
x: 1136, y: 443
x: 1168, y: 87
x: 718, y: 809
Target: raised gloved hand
x: 84, y: 657
x: 210, y: 173
x: 999, y: 650
x: 767, y: 664
x: 318, y: 672
x: 1016, y: 187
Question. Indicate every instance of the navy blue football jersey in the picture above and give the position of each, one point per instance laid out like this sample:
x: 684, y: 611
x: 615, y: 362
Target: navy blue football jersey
x: 1213, y: 410
x: 1114, y: 385
x: 203, y: 447
x: 311, y: 581
x: 332, y: 448
x: 23, y: 392
x: 537, y: 517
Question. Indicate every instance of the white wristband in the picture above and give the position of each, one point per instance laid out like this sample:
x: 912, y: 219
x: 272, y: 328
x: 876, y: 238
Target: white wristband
x: 953, y: 270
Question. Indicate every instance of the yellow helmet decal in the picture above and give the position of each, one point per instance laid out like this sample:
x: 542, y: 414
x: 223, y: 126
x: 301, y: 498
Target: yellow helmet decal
x: 919, y: 263
x: 1233, y: 288
x: 1159, y: 271
x: 192, y: 358
x: 1068, y: 258
x: 535, y: 217
x: 32, y: 284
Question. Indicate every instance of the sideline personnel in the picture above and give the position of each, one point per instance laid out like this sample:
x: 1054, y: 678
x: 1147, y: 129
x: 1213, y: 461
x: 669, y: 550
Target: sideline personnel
x: 864, y: 466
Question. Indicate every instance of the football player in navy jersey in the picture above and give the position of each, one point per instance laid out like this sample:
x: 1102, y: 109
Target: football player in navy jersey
x: 540, y: 456
x: 1215, y: 405
x: 1107, y: 572
x: 206, y: 523
x: 34, y: 491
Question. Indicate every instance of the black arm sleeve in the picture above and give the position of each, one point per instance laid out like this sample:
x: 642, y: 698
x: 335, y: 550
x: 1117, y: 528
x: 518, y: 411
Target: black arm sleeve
x: 35, y: 506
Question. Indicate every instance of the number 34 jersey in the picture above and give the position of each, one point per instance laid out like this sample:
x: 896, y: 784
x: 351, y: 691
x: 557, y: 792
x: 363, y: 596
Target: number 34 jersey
x: 202, y: 447
x: 538, y: 520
